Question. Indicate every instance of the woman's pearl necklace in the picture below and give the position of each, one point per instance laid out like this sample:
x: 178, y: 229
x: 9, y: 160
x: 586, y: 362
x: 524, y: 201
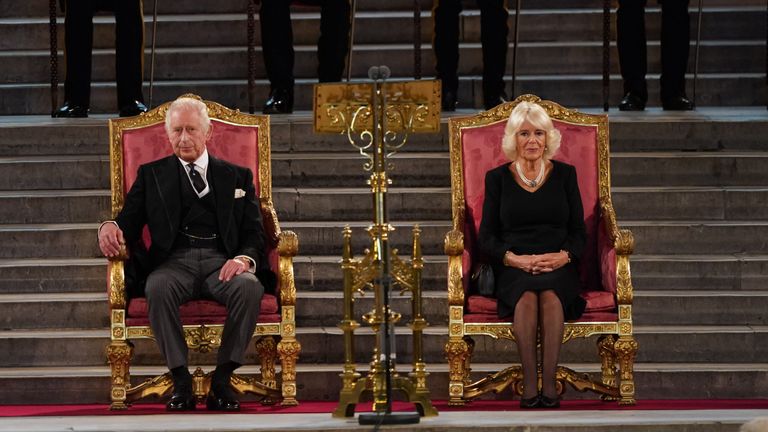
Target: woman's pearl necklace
x: 528, y: 182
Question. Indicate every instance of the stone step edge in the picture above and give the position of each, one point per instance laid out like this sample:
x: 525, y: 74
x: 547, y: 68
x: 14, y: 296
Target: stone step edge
x: 103, y: 371
x: 367, y: 331
x: 410, y: 190
x: 297, y: 15
x: 334, y: 259
x: 704, y: 114
x: 337, y: 295
x: 287, y: 225
x: 311, y: 81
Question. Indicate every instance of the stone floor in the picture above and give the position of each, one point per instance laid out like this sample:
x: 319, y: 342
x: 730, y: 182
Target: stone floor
x: 535, y: 421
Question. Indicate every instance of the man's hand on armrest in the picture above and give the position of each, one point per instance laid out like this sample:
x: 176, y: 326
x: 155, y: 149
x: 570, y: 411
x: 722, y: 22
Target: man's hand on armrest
x: 111, y: 240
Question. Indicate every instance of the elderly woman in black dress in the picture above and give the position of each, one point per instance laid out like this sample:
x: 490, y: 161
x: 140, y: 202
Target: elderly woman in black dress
x: 533, y: 234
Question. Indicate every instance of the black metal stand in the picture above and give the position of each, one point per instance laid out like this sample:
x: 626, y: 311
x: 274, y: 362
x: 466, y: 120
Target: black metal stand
x: 379, y: 74
x: 388, y: 417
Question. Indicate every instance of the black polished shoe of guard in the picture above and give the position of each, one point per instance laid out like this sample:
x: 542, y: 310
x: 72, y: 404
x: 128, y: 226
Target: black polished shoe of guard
x: 132, y: 109
x: 678, y: 103
x: 493, y: 101
x: 280, y: 102
x: 632, y: 102
x: 70, y: 110
x: 448, y: 101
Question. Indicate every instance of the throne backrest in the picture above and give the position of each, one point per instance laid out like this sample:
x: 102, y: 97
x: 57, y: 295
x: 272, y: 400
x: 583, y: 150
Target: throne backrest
x: 476, y: 149
x: 241, y: 139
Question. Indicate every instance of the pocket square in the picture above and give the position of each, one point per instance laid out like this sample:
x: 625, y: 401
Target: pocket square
x: 239, y: 193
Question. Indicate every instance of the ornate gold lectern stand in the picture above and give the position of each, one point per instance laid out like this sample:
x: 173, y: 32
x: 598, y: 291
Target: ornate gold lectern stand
x: 377, y: 119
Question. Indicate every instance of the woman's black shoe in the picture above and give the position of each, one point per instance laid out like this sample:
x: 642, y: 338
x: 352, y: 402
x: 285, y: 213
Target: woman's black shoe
x: 531, y: 402
x: 547, y: 402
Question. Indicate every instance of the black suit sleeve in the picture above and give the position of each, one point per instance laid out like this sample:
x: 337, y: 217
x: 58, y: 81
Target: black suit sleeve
x: 489, y: 241
x: 133, y: 215
x: 577, y: 233
x: 251, y: 229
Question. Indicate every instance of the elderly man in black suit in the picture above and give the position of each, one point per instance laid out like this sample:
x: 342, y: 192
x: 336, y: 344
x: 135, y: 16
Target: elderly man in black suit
x: 207, y: 242
x: 129, y: 53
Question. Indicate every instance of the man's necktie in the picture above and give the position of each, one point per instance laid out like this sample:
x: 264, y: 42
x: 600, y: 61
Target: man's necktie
x: 197, y: 179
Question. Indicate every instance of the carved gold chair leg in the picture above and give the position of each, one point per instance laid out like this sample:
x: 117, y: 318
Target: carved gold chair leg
x: 608, y: 356
x: 495, y: 383
x: 119, y: 355
x: 266, y: 347
x: 288, y: 349
x: 457, y: 352
x: 626, y: 350
x: 583, y: 382
x: 157, y: 386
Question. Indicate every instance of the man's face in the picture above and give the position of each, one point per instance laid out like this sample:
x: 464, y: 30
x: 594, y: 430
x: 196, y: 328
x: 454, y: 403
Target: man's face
x: 188, y: 134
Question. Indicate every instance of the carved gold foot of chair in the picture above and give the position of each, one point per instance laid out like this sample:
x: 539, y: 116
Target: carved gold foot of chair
x: 289, y: 349
x: 119, y: 357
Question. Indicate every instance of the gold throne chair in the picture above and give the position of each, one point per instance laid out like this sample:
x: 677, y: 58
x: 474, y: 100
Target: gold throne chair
x: 242, y: 139
x: 475, y: 148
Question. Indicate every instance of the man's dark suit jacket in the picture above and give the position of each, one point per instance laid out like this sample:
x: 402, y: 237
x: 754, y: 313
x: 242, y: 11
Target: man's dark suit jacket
x: 155, y: 201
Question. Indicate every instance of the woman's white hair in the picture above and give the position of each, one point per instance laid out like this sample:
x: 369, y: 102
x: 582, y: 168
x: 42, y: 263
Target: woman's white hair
x: 538, y: 117
x: 189, y: 104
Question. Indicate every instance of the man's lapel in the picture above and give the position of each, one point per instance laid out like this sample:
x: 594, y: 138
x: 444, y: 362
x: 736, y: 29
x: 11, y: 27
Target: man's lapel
x: 167, y: 184
x: 223, y: 184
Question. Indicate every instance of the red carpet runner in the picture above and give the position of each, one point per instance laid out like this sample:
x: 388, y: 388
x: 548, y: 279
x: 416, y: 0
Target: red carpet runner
x: 327, y: 407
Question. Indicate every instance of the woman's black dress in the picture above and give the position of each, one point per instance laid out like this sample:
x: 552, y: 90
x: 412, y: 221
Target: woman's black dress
x: 547, y: 220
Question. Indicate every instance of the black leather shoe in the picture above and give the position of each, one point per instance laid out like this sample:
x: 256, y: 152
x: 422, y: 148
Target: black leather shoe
x: 532, y: 402
x: 280, y: 102
x: 70, y: 110
x: 222, y: 400
x: 494, y: 100
x: 678, y: 103
x: 132, y: 109
x: 448, y: 101
x: 632, y: 102
x: 547, y: 402
x: 181, y: 401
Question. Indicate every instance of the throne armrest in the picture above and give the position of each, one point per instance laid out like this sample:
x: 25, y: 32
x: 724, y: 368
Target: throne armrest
x: 454, y: 248
x: 287, y: 248
x: 116, y: 292
x: 622, y: 246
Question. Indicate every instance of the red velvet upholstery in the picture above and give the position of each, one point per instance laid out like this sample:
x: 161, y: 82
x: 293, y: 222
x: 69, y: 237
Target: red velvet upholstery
x: 481, y: 151
x: 202, y: 312
x: 233, y: 143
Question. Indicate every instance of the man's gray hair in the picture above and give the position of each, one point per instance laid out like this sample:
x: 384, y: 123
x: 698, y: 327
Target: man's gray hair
x: 189, y: 104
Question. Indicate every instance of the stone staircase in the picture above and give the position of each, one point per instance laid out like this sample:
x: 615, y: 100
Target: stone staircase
x: 202, y: 48
x: 691, y: 187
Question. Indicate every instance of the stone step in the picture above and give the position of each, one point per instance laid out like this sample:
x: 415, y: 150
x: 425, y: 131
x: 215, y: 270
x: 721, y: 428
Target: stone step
x: 539, y: 25
x: 693, y: 272
x: 324, y: 237
x: 46, y: 275
x: 89, y: 310
x: 679, y: 178
x: 85, y: 347
x: 690, y: 237
x: 71, y: 385
x: 54, y: 206
x: 236, y: 7
x: 706, y: 129
x: 736, y: 89
x: 725, y: 273
x: 175, y: 63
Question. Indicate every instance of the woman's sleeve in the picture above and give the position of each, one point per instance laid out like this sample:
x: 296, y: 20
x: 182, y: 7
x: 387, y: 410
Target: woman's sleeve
x: 490, y: 226
x: 577, y: 233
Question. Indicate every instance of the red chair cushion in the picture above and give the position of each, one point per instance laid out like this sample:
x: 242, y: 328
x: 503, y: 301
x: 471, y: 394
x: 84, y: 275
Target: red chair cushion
x: 201, y: 312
